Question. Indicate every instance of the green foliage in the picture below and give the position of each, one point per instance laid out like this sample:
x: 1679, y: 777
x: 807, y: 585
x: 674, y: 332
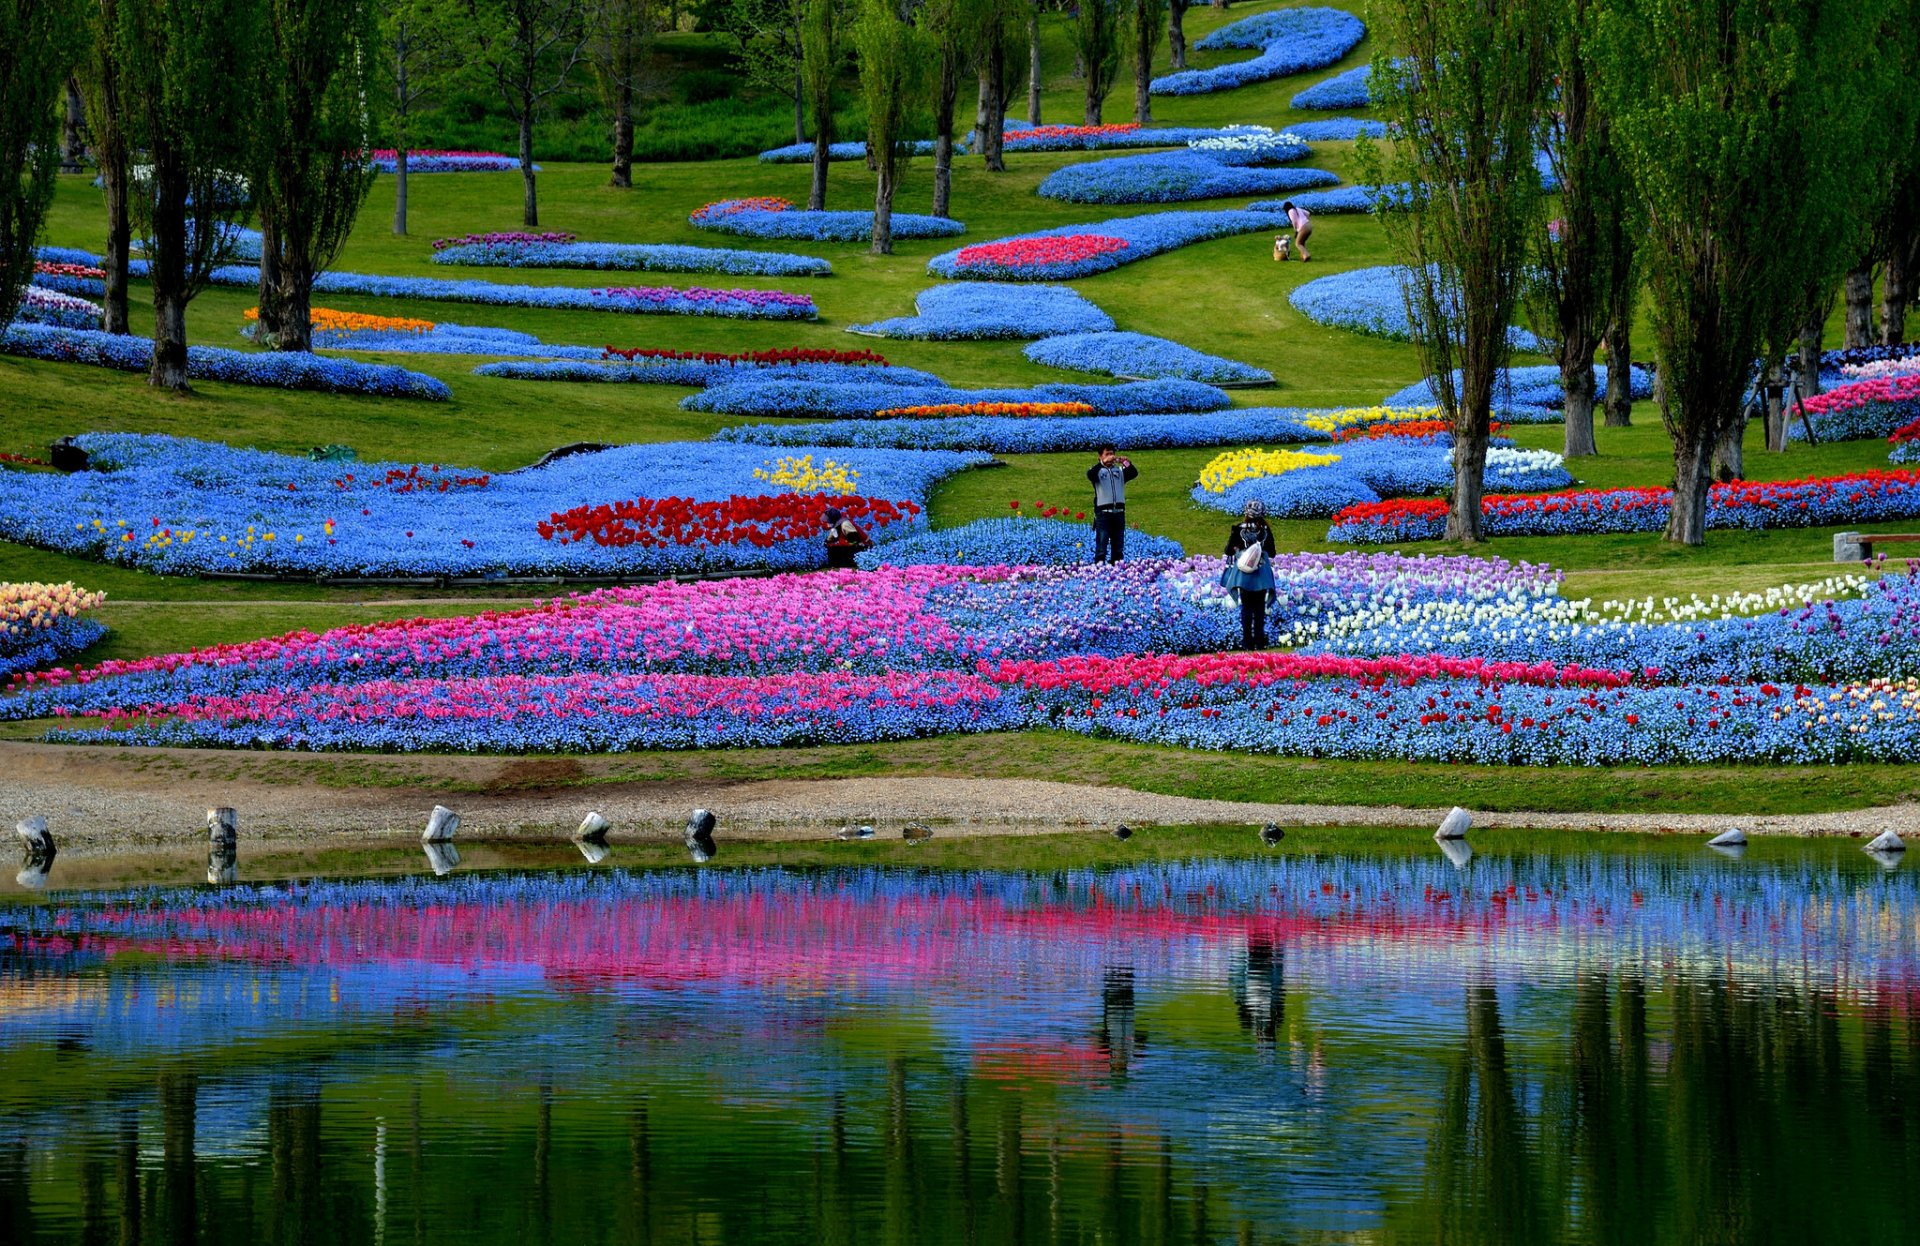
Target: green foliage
x: 1745, y: 126
x: 41, y: 41
x: 894, y: 57
x: 1096, y: 38
x: 1464, y: 82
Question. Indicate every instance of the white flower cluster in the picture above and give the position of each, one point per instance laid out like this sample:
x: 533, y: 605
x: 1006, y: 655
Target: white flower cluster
x: 1881, y: 369
x: 1505, y: 459
x: 1254, y: 140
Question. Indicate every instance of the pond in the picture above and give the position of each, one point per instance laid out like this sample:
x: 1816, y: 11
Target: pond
x: 1566, y: 1038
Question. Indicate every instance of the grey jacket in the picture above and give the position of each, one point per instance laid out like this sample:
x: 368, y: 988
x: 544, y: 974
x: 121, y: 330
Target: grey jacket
x: 1110, y: 483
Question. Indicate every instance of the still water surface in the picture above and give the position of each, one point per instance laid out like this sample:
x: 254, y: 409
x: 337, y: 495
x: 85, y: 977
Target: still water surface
x: 1589, y: 1045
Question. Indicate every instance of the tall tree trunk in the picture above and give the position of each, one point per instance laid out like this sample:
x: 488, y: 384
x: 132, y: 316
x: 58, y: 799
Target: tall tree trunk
x: 267, y: 329
x: 1811, y: 334
x: 1692, y: 481
x: 1095, y: 104
x: 1729, y: 458
x: 530, y: 203
x: 822, y: 149
x: 799, y: 107
x: 114, y: 308
x: 883, y: 208
x: 1464, y: 523
x: 296, y: 303
x: 993, y: 76
x: 1620, y: 373
x: 1033, y: 64
x: 400, y: 190
x: 1576, y: 378
x: 1895, y: 289
x: 1859, y: 296
x: 1177, y: 33
x: 1146, y: 34
x: 167, y: 272
x: 72, y: 148
x: 169, y: 370
x: 622, y: 135
x: 946, y: 95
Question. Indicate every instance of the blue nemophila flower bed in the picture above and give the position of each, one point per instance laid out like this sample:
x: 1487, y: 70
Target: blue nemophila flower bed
x: 178, y: 506
x: 1347, y: 90
x: 984, y: 309
x: 66, y: 255
x: 41, y: 305
x: 1339, y: 201
x: 634, y: 257
x: 1369, y: 301
x: 1023, y: 137
x: 702, y: 372
x: 1291, y: 41
x: 68, y: 283
x: 799, y: 225
x: 1010, y: 542
x: 1535, y: 386
x: 802, y: 153
x: 1337, y: 129
x: 651, y: 300
x: 1147, y: 235
x: 1042, y: 434
x: 1140, y: 355
x: 1173, y: 177
x: 855, y: 401
x: 278, y: 369
x: 26, y: 647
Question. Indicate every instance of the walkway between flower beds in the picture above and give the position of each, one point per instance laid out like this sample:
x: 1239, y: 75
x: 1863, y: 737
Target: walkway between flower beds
x: 98, y: 795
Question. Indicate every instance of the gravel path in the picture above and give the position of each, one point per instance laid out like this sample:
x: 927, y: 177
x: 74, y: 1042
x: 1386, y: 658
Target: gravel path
x: 111, y: 798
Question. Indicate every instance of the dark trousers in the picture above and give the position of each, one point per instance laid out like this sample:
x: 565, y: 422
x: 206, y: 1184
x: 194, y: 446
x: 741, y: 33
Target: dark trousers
x: 1109, y: 535
x: 1253, y: 617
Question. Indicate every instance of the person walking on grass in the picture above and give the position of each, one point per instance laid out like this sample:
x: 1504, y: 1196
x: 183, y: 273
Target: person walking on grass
x: 1109, y: 478
x: 845, y: 539
x: 1302, y: 222
x: 1249, y: 572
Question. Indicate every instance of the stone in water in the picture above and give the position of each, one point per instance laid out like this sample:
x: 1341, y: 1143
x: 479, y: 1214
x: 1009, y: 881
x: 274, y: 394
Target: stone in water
x: 1123, y: 832
x: 1886, y: 841
x: 593, y: 830
x: 862, y: 831
x: 442, y: 855
x: 442, y: 823
x: 1271, y: 834
x: 701, y: 822
x: 40, y: 852
x: 594, y: 850
x: 1457, y: 852
x: 1734, y: 837
x: 1455, y: 825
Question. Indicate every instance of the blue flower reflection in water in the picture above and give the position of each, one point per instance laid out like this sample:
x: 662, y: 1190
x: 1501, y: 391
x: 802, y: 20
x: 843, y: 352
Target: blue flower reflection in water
x: 1566, y: 1047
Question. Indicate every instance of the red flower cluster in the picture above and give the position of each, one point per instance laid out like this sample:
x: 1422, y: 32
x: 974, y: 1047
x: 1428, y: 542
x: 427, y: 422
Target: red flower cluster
x: 1041, y: 133
x: 1403, y: 428
x: 413, y: 480
x: 1046, y: 510
x: 1888, y: 389
x: 1153, y: 673
x: 653, y: 523
x: 789, y: 354
x: 1033, y: 252
x: 80, y: 271
x: 23, y: 460
x: 1905, y: 433
x: 728, y: 207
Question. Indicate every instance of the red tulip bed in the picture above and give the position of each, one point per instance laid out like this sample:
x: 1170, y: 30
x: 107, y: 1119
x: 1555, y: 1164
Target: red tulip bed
x: 1858, y: 497
x: 758, y: 521
x: 1906, y: 443
x: 1870, y: 408
x: 990, y: 259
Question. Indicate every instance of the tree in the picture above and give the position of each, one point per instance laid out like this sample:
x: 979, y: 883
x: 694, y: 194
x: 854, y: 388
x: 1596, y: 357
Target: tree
x: 948, y: 25
x: 1177, y: 31
x: 1096, y: 38
x: 529, y: 50
x: 40, y: 41
x: 995, y: 32
x: 617, y: 49
x: 1472, y: 197
x: 1903, y: 252
x: 107, y: 127
x: 313, y: 133
x: 418, y: 55
x: 1623, y: 296
x: 893, y: 63
x: 186, y: 69
x: 766, y: 34
x: 823, y: 54
x: 1742, y: 125
x: 1034, y: 80
x: 1572, y: 274
x: 1147, y: 15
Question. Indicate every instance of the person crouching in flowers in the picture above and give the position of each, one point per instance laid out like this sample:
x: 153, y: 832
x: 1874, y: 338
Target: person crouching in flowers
x: 1249, y: 572
x: 845, y: 539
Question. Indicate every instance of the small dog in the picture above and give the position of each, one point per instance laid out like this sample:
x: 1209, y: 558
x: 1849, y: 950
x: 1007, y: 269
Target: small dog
x: 1280, y: 245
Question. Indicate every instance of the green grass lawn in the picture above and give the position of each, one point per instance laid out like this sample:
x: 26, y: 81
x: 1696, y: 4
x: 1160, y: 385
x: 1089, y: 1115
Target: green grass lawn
x: 1225, y: 296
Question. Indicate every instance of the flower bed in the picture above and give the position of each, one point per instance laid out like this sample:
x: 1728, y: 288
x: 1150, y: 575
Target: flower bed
x: 799, y: 474
x: 1252, y: 146
x: 1369, y: 301
x: 983, y: 309
x: 61, y: 311
x: 74, y: 279
x: 42, y: 624
x: 1145, y: 236
x: 1009, y: 259
x: 778, y: 218
x: 1011, y: 542
x: 1291, y: 41
x: 1859, y: 497
x: 854, y: 400
x: 1537, y: 386
x: 1906, y: 443
x: 278, y: 369
x: 802, y: 153
x: 520, y: 251
x: 328, y: 320
x: 1343, y: 200
x: 176, y: 506
x: 699, y: 373
x: 1017, y: 410
x: 1870, y: 408
x: 1298, y: 484
x: 1173, y: 177
x: 1881, y: 369
x: 1337, y: 129
x: 386, y: 160
x: 1137, y: 355
x: 1342, y: 91
x: 758, y: 522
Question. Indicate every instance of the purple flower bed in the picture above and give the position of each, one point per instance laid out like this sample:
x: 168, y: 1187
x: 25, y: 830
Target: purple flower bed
x: 1291, y: 41
x: 856, y: 401
x: 278, y: 369
x: 967, y: 310
x: 1347, y: 90
x: 40, y: 305
x: 1148, y: 235
x: 1172, y: 177
x: 799, y: 225
x: 632, y: 257
x: 702, y: 373
x: 1137, y: 355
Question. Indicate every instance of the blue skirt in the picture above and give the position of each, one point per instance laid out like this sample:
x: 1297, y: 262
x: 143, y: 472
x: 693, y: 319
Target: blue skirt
x: 1256, y: 581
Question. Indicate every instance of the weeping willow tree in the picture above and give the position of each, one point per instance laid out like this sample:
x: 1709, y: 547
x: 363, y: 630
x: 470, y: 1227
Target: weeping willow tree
x: 40, y: 42
x: 893, y: 58
x: 314, y: 135
x: 1745, y: 127
x: 822, y: 56
x: 1464, y: 94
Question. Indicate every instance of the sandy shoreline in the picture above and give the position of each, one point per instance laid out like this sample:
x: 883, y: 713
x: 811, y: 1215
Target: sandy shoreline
x: 112, y: 798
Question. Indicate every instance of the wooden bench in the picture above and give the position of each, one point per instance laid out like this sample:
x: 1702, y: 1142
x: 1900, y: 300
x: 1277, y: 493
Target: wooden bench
x: 1858, y: 546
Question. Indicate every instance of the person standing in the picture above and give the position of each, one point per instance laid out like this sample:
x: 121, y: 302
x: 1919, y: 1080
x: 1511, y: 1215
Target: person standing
x: 1109, y: 478
x: 845, y: 539
x: 1302, y: 222
x: 1249, y: 572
